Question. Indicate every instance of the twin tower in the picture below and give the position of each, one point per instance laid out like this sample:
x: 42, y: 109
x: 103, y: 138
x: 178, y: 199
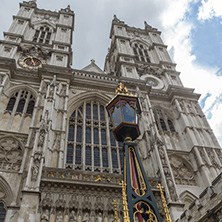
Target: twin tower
x: 59, y: 160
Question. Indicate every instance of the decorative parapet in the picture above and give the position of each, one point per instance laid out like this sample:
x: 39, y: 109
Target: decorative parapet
x: 208, y: 206
x: 77, y: 175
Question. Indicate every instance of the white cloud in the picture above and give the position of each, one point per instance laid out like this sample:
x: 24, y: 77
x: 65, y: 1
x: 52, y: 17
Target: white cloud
x: 177, y: 35
x: 92, y: 26
x: 209, y: 9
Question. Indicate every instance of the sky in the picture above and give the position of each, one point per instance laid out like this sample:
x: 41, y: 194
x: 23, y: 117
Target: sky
x: 192, y: 29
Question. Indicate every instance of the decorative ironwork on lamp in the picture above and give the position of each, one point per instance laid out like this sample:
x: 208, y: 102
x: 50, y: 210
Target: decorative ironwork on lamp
x: 137, y: 194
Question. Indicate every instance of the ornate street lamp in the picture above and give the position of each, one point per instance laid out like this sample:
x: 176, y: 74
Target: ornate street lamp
x: 138, y: 201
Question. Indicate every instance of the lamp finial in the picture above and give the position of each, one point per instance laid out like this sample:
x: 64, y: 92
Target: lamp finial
x: 121, y: 89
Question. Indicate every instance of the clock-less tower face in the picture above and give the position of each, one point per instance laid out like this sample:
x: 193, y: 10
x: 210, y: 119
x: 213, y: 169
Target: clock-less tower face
x: 31, y: 62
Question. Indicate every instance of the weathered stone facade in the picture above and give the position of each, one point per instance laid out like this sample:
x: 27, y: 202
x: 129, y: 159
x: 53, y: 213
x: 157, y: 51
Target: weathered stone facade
x: 59, y: 159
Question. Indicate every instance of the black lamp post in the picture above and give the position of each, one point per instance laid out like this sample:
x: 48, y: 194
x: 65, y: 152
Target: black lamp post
x: 138, y: 200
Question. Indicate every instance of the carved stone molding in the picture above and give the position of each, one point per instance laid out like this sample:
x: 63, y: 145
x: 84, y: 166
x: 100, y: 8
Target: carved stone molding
x: 11, y: 153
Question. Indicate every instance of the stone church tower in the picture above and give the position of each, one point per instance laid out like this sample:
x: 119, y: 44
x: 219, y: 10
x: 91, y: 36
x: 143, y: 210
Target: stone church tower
x: 59, y: 158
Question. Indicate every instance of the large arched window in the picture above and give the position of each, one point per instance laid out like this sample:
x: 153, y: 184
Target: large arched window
x: 42, y: 35
x: 22, y: 101
x: 91, y: 143
x: 141, y: 52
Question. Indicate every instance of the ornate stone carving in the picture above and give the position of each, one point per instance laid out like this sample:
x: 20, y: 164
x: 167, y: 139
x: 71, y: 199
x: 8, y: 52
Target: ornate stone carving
x: 115, y: 19
x: 34, y: 50
x: 45, y: 216
x: 99, y: 217
x: 202, y: 154
x: 148, y: 69
x: 182, y: 106
x: 60, y: 202
x: 56, y: 144
x: 59, y: 217
x: 190, y: 108
x: 212, y: 158
x: 183, y: 173
x: 11, y: 154
x: 36, y: 164
x: 67, y: 9
x: 219, y: 154
x: 99, y: 206
x: 86, y: 204
x: 72, y: 216
x: 47, y: 201
x: 73, y: 203
x: 86, y: 217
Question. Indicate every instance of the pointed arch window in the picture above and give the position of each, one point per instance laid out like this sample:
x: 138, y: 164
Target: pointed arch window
x: 2, y: 212
x: 163, y: 125
x: 162, y: 121
x: 141, y: 52
x: 42, y: 35
x: 11, y: 103
x: 22, y: 101
x: 171, y: 126
x: 91, y: 140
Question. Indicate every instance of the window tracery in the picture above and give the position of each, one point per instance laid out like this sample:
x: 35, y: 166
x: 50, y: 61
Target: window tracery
x: 42, y: 35
x: 21, y: 101
x: 162, y: 121
x: 91, y: 143
x: 141, y: 52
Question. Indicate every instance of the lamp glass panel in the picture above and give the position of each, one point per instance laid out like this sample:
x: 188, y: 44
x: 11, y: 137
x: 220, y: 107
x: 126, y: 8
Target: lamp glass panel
x: 117, y: 116
x: 128, y: 113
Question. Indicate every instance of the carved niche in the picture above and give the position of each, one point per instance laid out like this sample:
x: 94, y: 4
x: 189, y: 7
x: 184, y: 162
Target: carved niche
x: 182, y: 171
x: 11, y: 154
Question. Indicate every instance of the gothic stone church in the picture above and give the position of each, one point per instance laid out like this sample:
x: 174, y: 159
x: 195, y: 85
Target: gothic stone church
x: 59, y: 158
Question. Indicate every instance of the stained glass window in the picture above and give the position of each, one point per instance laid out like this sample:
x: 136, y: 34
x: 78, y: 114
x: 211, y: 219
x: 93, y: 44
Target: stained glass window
x: 2, y: 212
x: 87, y: 139
x: 88, y: 156
x: 24, y: 99
x: 96, y: 157
x: 114, y: 159
x: 69, y: 158
x: 105, y: 157
x: 78, y: 154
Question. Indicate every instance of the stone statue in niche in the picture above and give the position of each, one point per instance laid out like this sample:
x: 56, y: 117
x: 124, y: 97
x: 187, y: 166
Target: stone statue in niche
x: 190, y: 108
x: 59, y: 217
x: 57, y: 140
x: 63, y: 90
x: 86, y: 217
x: 182, y: 106
x: 72, y: 216
x: 35, y: 172
x: 52, y: 85
x: 111, y: 217
x: 47, y: 201
x: 35, y: 168
x: 171, y: 189
x: 196, y: 108
x: 99, y: 217
x: 162, y: 155
x: 45, y: 216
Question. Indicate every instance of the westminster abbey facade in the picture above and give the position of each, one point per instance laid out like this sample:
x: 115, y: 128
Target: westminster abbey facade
x: 59, y: 160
